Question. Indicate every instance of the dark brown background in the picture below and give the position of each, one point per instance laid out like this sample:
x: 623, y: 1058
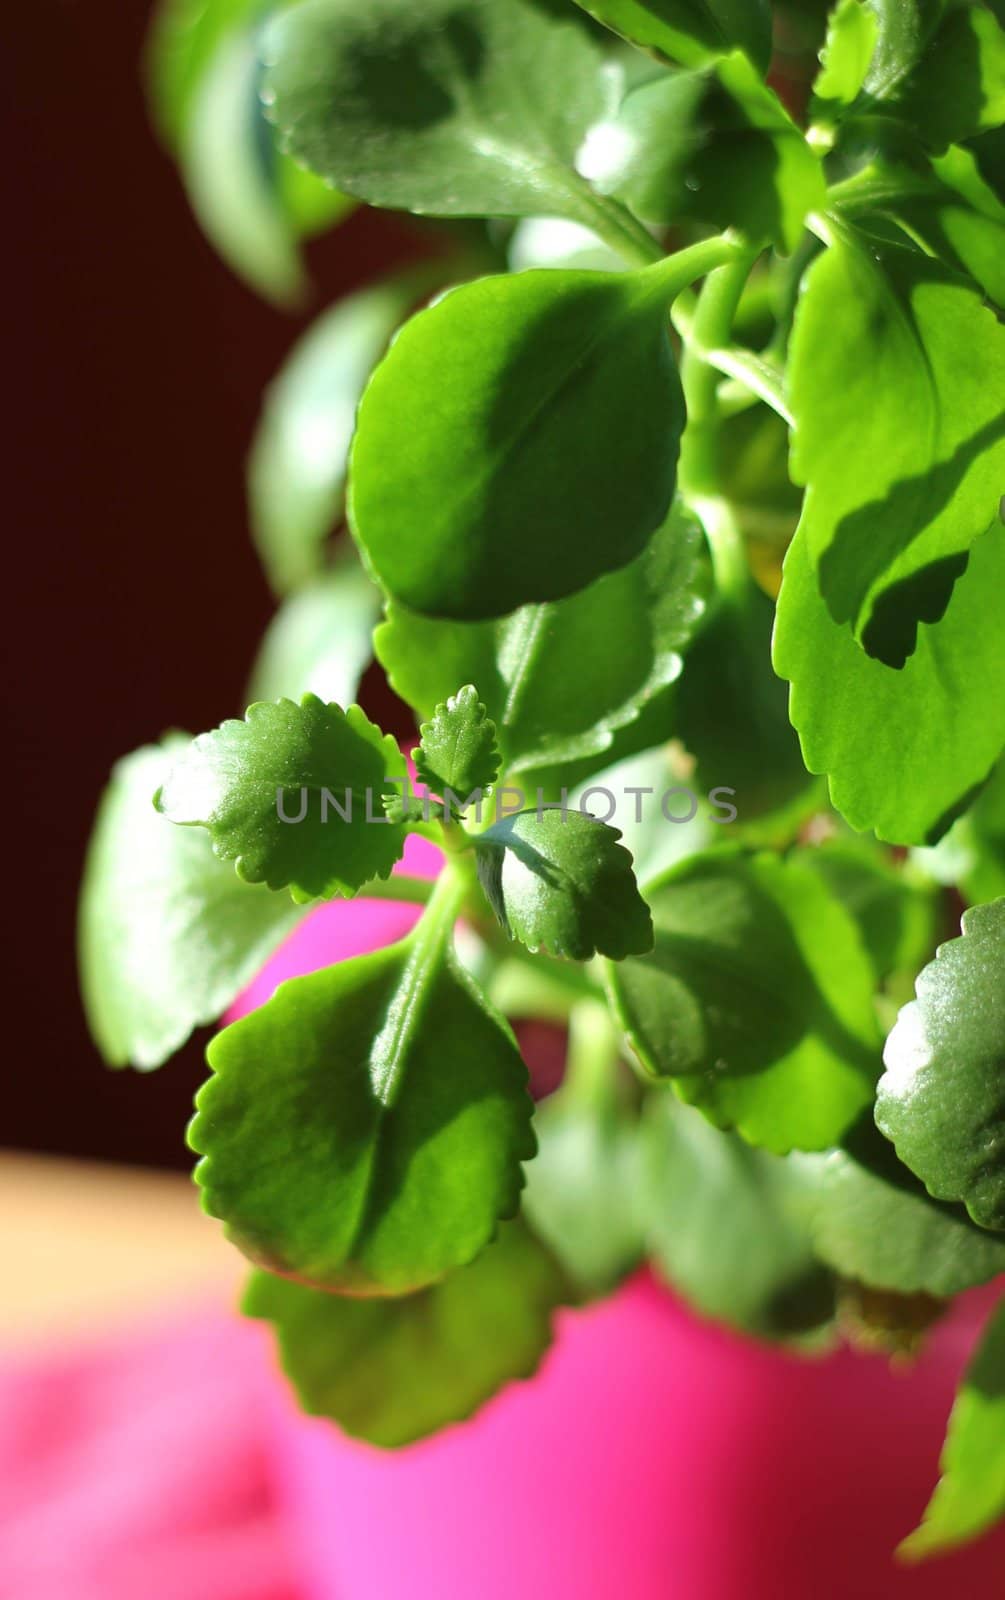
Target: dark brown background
x: 135, y: 362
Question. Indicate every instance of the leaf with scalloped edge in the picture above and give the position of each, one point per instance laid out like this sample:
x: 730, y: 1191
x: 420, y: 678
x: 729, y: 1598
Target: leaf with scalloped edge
x: 942, y: 1098
x: 558, y: 878
x: 168, y: 935
x: 852, y: 32
x: 903, y: 750
x: 394, y: 1370
x: 363, y: 1131
x: 292, y: 795
x: 458, y: 750
x: 757, y: 999
x: 899, y: 435
x: 691, y: 32
x: 970, y: 1495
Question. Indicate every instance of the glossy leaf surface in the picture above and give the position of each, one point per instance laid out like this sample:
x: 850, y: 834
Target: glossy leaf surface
x: 363, y: 1131
x: 458, y: 750
x: 292, y: 795
x: 942, y: 1097
x: 394, y: 1370
x: 756, y: 1001
x: 489, y: 433
x: 691, y: 32
x: 168, y: 934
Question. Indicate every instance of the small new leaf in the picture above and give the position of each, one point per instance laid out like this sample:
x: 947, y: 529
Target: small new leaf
x: 970, y: 1495
x: 559, y: 879
x: 292, y: 795
x: 458, y: 750
x: 363, y: 1131
x: 942, y: 1098
x: 394, y: 1370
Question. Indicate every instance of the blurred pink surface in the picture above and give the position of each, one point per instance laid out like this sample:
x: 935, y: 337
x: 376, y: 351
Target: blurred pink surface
x: 654, y: 1457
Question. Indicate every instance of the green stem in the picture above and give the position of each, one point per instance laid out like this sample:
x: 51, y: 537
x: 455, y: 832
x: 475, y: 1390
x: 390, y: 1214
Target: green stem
x: 723, y: 256
x: 410, y: 891
x: 614, y: 223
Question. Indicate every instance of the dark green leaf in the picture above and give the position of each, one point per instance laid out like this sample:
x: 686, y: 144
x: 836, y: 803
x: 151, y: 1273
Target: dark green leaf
x: 692, y: 32
x: 852, y: 32
x: 722, y: 1229
x: 872, y: 1220
x: 297, y: 467
x: 942, y: 1097
x: 957, y: 85
x: 292, y: 795
x: 970, y: 1495
x: 525, y: 431
x: 363, y: 1131
x: 321, y: 639
x: 394, y: 1370
x: 168, y: 934
x: 757, y: 1000
x: 904, y: 29
x: 582, y: 1187
x: 901, y: 443
x: 458, y: 750
x: 451, y: 107
x: 895, y: 916
x: 556, y: 877
x: 716, y: 146
x: 561, y: 679
x: 903, y: 750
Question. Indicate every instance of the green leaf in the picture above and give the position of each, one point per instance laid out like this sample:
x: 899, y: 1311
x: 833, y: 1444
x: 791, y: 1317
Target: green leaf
x: 448, y: 108
x: 756, y: 1000
x: 905, y: 28
x: 320, y: 641
x: 715, y: 146
x: 525, y: 430
x: 872, y: 1220
x: 394, y: 1370
x: 956, y: 88
x: 692, y: 32
x: 895, y: 916
x: 184, y: 37
x: 970, y: 1495
x: 903, y: 750
x: 558, y: 878
x: 582, y: 1187
x: 900, y: 442
x: 561, y: 679
x: 852, y: 32
x: 167, y: 934
x: 942, y: 1098
x: 458, y: 750
x: 363, y: 1131
x: 297, y: 466
x: 721, y: 1228
x: 292, y: 795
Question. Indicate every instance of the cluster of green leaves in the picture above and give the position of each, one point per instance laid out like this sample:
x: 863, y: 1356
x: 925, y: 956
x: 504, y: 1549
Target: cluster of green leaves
x: 609, y: 533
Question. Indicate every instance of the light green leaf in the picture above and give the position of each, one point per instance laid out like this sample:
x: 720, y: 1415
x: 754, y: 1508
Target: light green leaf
x: 363, y: 1131
x: 167, y: 934
x: 458, y: 750
x: 852, y: 31
x: 970, y: 1495
x: 957, y: 86
x: 942, y: 1098
x: 524, y: 430
x: 297, y: 466
x: 561, y: 679
x: 558, y: 878
x: 449, y: 108
x: 895, y: 916
x: 292, y: 795
x: 721, y: 1229
x: 756, y: 1000
x: 872, y: 1220
x: 320, y: 641
x: 583, y: 1186
x: 903, y: 750
x: 184, y: 37
x: 715, y: 146
x: 901, y: 444
x: 692, y: 32
x: 394, y: 1370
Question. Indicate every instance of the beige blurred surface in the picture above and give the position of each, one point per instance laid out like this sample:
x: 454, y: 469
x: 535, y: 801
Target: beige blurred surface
x: 87, y: 1248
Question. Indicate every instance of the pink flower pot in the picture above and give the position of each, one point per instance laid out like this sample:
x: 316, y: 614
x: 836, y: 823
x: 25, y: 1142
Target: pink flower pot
x: 653, y: 1457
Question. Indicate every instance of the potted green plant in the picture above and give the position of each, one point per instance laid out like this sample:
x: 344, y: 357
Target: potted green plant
x: 675, y: 519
